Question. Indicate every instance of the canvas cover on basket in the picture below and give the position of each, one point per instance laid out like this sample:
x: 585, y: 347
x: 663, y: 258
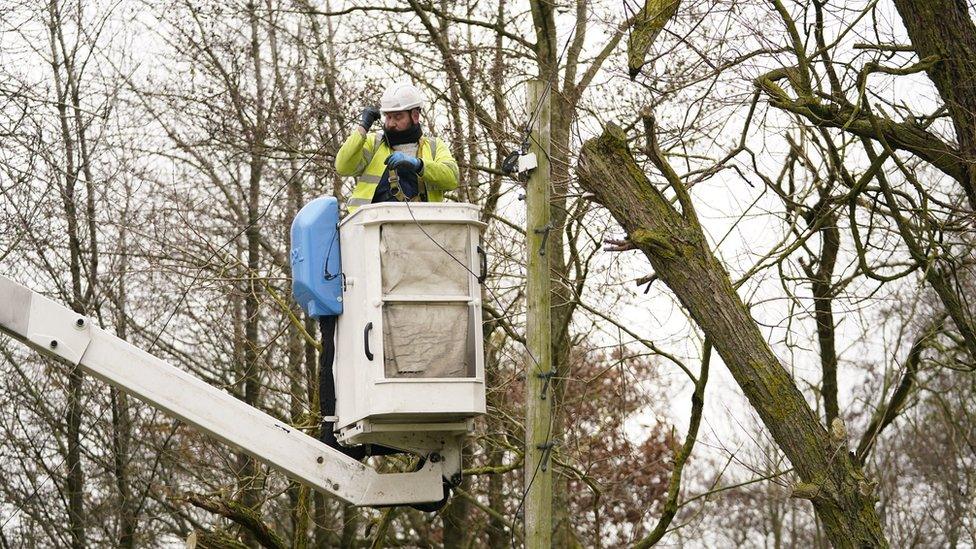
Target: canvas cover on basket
x: 425, y: 339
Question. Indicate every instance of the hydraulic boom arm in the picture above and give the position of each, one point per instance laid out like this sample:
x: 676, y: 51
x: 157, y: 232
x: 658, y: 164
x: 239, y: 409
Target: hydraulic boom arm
x: 56, y: 330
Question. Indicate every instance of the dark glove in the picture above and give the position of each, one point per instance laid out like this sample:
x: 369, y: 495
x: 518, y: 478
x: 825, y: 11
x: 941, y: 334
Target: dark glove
x: 370, y: 115
x: 404, y: 162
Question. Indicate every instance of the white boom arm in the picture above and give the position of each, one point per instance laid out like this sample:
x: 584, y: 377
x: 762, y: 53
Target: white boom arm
x: 56, y: 330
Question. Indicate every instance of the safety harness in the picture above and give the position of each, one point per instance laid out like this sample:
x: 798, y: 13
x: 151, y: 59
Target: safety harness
x: 401, y: 196
x: 394, y: 177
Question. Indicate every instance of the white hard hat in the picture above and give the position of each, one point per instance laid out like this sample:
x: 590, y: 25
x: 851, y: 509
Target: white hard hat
x: 401, y: 97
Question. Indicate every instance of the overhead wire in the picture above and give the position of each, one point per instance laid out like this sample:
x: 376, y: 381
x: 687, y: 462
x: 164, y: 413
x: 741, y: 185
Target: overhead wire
x: 528, y: 352
x: 546, y: 445
x: 184, y: 294
x: 523, y: 149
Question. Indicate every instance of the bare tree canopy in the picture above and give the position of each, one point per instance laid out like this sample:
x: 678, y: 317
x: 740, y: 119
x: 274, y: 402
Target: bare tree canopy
x: 788, y: 360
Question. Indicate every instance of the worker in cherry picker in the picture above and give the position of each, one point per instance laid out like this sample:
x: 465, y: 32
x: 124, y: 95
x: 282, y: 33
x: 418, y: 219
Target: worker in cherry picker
x: 399, y: 163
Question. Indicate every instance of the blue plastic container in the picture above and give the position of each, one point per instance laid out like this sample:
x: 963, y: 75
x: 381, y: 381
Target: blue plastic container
x: 316, y: 268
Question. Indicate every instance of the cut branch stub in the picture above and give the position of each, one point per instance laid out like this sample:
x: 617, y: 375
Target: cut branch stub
x: 648, y: 23
x: 805, y: 490
x: 655, y: 241
x: 609, y: 154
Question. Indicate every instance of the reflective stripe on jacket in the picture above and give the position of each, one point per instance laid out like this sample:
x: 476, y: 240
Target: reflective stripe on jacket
x: 359, y: 157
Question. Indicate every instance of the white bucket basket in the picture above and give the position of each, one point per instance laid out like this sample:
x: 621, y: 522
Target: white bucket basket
x: 409, y: 350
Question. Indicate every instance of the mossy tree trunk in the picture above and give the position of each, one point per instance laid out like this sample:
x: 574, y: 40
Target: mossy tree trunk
x: 944, y: 29
x: 674, y: 243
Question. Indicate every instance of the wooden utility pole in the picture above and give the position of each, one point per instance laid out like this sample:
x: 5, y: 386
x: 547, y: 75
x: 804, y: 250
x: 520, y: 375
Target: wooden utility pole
x: 538, y: 363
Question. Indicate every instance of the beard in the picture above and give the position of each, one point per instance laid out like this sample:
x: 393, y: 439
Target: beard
x: 400, y: 137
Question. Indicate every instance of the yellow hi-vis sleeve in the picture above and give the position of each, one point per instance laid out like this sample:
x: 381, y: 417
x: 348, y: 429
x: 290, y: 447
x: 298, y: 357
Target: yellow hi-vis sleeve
x: 441, y: 173
x: 353, y: 154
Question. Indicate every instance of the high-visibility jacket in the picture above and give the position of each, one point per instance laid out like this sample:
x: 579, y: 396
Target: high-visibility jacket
x: 360, y: 157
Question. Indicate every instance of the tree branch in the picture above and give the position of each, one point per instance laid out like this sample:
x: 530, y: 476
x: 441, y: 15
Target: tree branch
x: 674, y: 486
x: 886, y: 413
x: 241, y: 515
x: 904, y: 136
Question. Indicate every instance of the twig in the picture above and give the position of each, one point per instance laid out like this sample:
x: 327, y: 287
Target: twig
x: 674, y: 487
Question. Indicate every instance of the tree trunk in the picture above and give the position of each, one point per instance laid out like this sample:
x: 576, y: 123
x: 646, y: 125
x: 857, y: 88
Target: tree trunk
x: 456, y: 517
x: 944, y: 28
x: 121, y: 416
x: 76, y: 479
x: 564, y: 303
x: 676, y: 247
x: 75, y: 482
x: 821, y: 282
x: 350, y: 526
x: 325, y: 531
x: 249, y: 469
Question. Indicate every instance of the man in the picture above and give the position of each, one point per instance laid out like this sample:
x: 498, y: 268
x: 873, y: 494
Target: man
x: 399, y: 164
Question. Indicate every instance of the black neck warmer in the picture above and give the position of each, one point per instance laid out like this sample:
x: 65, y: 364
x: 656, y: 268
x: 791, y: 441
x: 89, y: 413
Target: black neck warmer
x: 409, y: 135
